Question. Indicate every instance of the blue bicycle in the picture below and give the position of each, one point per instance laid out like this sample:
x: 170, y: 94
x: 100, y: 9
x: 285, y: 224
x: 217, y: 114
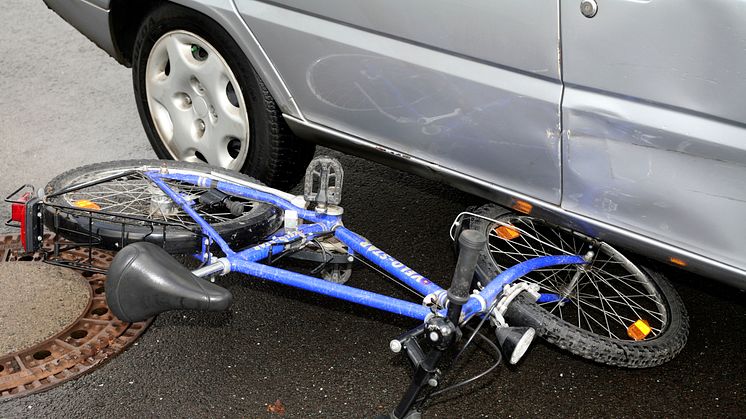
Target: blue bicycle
x: 514, y: 272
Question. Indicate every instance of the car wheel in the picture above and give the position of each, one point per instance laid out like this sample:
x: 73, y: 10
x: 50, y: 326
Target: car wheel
x: 200, y: 100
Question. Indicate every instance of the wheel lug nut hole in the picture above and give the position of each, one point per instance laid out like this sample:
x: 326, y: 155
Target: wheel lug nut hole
x: 199, y: 127
x: 199, y: 53
x: 182, y: 100
x: 230, y: 92
x: 234, y: 147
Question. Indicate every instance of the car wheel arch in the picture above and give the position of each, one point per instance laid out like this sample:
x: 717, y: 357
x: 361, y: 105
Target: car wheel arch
x: 125, y: 17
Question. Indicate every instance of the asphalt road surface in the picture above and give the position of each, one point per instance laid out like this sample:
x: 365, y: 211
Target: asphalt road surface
x: 64, y: 103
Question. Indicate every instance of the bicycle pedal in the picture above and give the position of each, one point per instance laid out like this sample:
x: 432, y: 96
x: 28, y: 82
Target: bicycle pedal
x: 323, y: 182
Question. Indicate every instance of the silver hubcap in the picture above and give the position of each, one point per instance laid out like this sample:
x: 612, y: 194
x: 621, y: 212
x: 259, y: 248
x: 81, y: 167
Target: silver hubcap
x: 196, y: 102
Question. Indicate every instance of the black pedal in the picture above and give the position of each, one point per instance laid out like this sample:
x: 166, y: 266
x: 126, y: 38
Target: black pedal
x: 323, y: 182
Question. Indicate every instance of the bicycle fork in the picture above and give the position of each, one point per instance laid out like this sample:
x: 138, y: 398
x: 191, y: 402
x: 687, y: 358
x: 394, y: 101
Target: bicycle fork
x: 442, y: 332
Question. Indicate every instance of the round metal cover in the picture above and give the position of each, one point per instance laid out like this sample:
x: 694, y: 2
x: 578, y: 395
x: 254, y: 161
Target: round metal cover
x: 95, y: 336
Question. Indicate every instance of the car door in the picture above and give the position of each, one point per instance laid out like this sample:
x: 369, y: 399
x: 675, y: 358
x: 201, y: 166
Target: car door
x: 655, y: 122
x: 470, y: 85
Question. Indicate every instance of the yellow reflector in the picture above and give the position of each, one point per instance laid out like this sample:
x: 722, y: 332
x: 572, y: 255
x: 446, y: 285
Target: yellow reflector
x: 639, y: 330
x: 522, y: 206
x: 507, y: 232
x: 86, y: 204
x: 677, y: 261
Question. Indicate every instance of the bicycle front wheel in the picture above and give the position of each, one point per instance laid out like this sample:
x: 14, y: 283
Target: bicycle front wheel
x: 609, y: 310
x: 134, y: 195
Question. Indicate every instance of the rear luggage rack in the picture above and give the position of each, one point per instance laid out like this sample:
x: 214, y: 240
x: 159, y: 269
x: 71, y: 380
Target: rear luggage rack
x: 33, y: 215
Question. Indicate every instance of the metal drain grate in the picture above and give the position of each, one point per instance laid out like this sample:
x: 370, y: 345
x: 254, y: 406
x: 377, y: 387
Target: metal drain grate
x: 81, y: 347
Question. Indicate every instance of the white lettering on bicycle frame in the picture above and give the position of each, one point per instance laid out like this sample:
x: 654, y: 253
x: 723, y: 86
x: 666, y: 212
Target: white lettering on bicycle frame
x: 394, y: 263
x: 278, y: 240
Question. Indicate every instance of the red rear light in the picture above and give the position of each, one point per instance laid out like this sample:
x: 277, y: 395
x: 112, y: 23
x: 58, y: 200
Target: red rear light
x: 18, y: 214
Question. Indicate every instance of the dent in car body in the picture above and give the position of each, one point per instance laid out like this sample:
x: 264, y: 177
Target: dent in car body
x: 672, y: 176
x: 655, y: 122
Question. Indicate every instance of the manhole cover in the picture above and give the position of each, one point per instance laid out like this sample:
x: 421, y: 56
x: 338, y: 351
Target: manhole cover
x: 38, y: 300
x: 93, y: 337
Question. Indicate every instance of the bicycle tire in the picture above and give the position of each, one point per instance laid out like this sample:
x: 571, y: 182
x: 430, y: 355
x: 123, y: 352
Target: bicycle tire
x: 608, y: 346
x: 250, y: 227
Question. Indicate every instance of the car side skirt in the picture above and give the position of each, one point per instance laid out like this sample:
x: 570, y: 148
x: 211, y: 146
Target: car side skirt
x: 633, y: 241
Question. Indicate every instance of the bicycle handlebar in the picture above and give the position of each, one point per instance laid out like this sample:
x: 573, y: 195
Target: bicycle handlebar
x: 471, y: 242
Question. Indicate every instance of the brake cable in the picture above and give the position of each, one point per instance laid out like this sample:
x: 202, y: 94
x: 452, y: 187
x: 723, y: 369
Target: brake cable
x: 475, y: 332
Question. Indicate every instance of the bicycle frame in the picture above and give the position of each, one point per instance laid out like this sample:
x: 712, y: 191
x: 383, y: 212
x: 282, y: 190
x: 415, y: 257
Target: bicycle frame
x: 247, y: 261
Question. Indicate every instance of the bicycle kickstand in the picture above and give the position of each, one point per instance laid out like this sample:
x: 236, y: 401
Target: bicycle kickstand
x: 443, y: 332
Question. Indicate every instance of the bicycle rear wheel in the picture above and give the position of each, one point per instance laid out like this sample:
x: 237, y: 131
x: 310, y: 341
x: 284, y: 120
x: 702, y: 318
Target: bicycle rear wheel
x: 135, y: 195
x: 591, y: 310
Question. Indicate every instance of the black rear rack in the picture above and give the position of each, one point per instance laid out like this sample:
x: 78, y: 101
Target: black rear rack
x: 53, y: 217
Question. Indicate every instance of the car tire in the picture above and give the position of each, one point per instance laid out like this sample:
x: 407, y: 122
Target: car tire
x: 200, y: 99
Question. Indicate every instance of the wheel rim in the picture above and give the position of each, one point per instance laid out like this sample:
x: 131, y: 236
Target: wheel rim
x: 195, y: 101
x: 604, y: 297
x: 135, y: 195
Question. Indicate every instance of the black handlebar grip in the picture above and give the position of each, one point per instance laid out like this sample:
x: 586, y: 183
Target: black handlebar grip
x: 471, y: 243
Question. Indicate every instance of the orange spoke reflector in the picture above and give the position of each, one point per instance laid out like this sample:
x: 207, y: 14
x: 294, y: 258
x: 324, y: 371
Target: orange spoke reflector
x: 507, y: 232
x: 639, y: 330
x: 86, y: 204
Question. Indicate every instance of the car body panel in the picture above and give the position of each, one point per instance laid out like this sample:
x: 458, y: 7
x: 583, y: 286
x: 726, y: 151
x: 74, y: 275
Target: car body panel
x: 90, y: 17
x: 684, y: 184
x: 685, y: 54
x: 488, y: 122
x: 654, y: 133
x: 652, y: 112
x: 649, y: 246
x: 224, y: 12
x: 430, y: 23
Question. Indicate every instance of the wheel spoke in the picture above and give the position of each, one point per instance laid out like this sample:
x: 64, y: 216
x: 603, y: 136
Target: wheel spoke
x: 212, y: 74
x: 133, y: 195
x: 608, y: 296
x: 180, y: 58
x: 230, y: 124
x: 216, y: 152
x: 160, y: 89
x: 183, y: 140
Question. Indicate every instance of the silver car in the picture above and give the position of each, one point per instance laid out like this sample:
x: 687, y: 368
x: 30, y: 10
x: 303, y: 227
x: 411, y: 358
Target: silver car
x: 624, y: 120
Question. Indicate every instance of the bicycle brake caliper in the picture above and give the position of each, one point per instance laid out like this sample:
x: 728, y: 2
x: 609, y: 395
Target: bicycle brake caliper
x: 323, y: 183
